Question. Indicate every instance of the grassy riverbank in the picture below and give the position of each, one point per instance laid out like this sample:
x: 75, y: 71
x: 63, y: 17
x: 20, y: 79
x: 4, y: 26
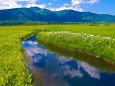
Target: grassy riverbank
x: 13, y: 70
x: 79, y: 56
x: 95, y: 40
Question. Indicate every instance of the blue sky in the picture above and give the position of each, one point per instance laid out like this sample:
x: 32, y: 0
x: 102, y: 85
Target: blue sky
x: 96, y: 6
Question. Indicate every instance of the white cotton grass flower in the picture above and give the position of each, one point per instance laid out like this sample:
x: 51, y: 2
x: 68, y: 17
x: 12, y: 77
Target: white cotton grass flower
x: 81, y: 35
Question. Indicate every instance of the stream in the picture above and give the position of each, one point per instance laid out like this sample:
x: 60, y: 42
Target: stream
x: 55, y: 67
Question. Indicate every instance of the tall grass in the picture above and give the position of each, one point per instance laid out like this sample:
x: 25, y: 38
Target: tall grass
x: 101, y: 47
x: 13, y: 70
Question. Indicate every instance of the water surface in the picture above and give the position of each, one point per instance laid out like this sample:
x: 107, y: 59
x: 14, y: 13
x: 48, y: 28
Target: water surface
x: 54, y: 69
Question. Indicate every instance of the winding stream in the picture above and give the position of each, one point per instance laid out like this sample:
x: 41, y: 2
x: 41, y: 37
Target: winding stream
x: 50, y: 68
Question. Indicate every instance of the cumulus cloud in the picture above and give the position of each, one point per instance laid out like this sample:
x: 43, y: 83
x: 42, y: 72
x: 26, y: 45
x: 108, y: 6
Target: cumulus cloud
x: 60, y: 8
x: 49, y: 3
x: 66, y: 4
x: 8, y: 4
x: 77, y: 2
x: 35, y: 5
x: 32, y: 1
x: 74, y: 5
x: 92, y: 1
x: 77, y: 8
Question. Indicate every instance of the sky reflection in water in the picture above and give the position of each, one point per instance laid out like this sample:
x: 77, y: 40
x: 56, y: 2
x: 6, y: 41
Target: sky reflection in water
x: 58, y: 70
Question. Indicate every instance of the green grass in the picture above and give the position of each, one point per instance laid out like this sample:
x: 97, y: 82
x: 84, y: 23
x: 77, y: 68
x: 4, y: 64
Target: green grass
x: 13, y: 70
x: 79, y: 56
x: 102, y: 30
x: 95, y: 40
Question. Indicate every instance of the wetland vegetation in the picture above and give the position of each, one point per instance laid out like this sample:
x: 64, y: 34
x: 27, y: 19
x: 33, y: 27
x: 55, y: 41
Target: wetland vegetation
x: 13, y: 70
x: 95, y: 40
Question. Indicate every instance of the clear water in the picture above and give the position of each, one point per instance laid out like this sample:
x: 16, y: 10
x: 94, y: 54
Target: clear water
x: 52, y: 69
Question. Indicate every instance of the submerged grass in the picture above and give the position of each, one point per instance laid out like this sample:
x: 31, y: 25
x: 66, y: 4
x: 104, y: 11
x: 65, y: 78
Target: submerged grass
x: 77, y: 39
x: 13, y: 70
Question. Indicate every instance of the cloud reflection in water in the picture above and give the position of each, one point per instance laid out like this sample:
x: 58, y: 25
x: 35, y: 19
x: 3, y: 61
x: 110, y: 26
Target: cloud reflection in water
x: 61, y: 66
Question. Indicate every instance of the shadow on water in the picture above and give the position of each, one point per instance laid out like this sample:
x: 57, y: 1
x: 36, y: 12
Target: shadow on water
x: 53, y: 66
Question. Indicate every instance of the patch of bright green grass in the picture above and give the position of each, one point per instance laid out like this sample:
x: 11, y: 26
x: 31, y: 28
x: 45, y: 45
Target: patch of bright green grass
x: 96, y: 40
x: 102, y: 29
x: 13, y: 70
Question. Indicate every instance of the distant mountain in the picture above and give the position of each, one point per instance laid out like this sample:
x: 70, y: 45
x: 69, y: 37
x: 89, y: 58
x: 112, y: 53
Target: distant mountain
x: 38, y: 14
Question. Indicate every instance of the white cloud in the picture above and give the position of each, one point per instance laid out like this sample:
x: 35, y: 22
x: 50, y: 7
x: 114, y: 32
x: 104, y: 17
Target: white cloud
x: 35, y: 5
x: 92, y: 1
x: 8, y: 4
x: 60, y: 8
x: 28, y: 1
x: 66, y: 4
x: 77, y: 8
x: 49, y: 3
x: 32, y: 1
x: 75, y: 4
